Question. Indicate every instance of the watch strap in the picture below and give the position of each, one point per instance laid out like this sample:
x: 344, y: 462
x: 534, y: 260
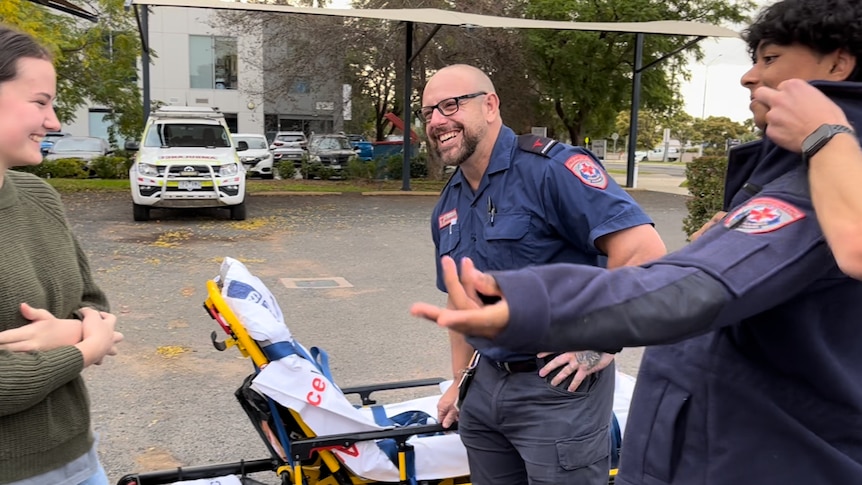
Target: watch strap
x: 820, y: 137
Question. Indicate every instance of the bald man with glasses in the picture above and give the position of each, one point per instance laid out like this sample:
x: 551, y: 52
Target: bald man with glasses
x: 517, y: 201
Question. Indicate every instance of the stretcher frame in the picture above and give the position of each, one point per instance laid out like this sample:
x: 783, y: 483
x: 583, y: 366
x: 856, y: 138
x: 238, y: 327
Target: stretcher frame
x: 313, y: 461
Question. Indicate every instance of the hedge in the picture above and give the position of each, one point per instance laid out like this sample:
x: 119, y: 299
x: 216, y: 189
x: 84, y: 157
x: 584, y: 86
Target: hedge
x: 705, y: 177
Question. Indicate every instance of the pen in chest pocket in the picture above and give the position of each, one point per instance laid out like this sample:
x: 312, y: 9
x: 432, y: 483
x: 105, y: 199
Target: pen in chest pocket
x: 491, y: 210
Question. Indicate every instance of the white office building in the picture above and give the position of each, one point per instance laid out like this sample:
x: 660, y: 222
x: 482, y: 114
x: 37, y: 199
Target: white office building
x: 196, y: 65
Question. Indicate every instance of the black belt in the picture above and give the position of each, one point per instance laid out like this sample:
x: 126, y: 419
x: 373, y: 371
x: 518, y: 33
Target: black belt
x: 517, y: 366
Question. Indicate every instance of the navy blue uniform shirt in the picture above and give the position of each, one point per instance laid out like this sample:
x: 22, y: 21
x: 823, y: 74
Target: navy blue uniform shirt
x: 547, y: 203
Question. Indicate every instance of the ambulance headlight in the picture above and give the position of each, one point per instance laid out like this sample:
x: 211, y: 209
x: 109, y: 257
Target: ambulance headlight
x: 229, y: 170
x: 148, y: 170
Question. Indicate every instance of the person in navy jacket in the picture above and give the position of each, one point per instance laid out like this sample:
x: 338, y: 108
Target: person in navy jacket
x: 754, y: 374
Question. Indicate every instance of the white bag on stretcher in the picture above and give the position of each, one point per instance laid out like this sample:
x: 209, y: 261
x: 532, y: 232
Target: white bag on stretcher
x: 298, y: 383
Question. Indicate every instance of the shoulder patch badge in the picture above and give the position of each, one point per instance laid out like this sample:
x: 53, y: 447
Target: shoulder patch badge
x: 586, y: 169
x: 762, y: 215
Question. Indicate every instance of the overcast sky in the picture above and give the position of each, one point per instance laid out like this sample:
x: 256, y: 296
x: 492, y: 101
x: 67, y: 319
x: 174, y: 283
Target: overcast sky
x: 714, y: 89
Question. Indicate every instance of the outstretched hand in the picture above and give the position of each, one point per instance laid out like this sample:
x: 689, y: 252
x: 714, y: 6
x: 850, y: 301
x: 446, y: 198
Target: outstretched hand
x: 469, y: 316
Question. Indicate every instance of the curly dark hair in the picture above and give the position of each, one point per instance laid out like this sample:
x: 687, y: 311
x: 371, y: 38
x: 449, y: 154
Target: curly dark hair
x: 15, y: 45
x: 821, y: 25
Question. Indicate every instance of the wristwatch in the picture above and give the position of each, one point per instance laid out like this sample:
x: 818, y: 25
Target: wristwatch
x: 821, y: 136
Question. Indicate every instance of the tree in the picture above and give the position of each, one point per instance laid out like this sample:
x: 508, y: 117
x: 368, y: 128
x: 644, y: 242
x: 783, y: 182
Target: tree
x: 586, y: 76
x: 716, y: 130
x: 96, y: 63
x: 651, y: 126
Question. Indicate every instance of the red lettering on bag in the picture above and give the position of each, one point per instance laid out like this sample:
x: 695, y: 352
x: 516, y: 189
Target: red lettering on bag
x: 314, y: 398
x: 318, y: 384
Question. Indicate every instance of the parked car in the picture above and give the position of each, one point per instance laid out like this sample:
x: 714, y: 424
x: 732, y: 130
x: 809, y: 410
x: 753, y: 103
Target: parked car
x: 364, y: 149
x: 289, y: 145
x: 84, y: 148
x: 49, y: 140
x: 257, y: 159
x: 333, y: 151
x: 657, y: 154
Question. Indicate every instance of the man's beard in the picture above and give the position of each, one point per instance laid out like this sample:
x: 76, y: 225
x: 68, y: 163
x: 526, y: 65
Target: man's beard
x: 468, y: 146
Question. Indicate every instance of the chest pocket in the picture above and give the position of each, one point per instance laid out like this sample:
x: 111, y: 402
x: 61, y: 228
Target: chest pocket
x: 450, y: 236
x: 504, y: 240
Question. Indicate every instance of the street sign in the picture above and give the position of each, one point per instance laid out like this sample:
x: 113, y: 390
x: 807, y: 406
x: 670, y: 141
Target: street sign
x: 599, y: 147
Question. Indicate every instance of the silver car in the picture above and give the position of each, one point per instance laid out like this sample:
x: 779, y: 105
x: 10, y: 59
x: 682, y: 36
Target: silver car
x: 83, y: 148
x: 289, y: 146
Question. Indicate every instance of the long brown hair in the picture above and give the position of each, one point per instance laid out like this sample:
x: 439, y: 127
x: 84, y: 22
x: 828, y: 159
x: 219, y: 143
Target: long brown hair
x: 15, y: 45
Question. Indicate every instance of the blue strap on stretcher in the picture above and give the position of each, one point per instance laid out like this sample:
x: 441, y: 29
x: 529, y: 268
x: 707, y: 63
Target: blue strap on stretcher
x: 389, y: 446
x: 280, y: 350
x: 616, y: 441
x: 318, y: 357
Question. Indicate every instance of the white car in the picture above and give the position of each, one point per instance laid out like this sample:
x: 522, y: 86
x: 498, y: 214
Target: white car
x: 186, y: 159
x: 258, y: 158
x: 657, y: 154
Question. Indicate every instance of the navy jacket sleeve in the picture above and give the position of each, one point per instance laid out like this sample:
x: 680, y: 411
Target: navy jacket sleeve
x: 727, y: 275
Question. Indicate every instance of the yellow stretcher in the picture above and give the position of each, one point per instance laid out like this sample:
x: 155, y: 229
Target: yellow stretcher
x: 310, y: 460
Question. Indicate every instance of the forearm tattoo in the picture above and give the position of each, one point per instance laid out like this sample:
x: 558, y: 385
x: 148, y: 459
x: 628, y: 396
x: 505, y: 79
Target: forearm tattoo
x: 589, y: 358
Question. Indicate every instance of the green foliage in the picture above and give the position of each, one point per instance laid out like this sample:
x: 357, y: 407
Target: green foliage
x: 716, y: 130
x: 705, y: 176
x: 96, y: 63
x: 360, y: 170
x: 586, y: 76
x: 286, y: 170
x: 66, y: 168
x: 418, y: 166
x: 111, y: 167
x: 316, y: 170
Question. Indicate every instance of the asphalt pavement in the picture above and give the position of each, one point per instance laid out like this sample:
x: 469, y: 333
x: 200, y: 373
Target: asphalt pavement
x: 167, y: 399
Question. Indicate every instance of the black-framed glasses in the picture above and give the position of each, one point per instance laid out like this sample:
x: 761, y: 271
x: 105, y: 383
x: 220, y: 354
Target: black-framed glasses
x: 447, y: 107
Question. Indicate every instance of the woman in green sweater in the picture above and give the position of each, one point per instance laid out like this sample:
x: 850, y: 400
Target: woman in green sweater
x: 53, y: 317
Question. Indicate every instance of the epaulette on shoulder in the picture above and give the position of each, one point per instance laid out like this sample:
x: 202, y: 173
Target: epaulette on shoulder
x: 540, y: 145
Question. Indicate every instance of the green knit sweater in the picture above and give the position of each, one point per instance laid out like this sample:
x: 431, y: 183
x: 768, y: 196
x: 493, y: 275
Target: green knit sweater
x: 44, y: 408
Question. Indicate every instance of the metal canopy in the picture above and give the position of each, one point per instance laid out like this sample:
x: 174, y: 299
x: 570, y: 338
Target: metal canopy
x: 446, y: 17
x: 69, y: 8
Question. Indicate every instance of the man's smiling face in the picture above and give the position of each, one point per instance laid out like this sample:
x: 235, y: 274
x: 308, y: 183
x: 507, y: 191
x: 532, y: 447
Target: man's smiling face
x: 454, y: 138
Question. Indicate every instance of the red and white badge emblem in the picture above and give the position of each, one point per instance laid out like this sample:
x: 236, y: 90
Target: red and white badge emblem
x: 448, y: 218
x: 587, y: 170
x: 761, y: 215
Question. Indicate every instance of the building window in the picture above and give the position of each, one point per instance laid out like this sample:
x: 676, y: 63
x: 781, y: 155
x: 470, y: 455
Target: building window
x: 232, y: 122
x: 98, y: 125
x: 300, y: 86
x: 212, y: 62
